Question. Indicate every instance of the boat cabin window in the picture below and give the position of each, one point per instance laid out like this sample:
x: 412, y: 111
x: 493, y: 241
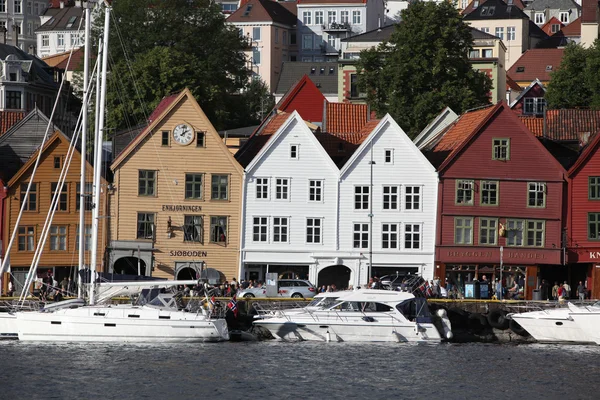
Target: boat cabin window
x: 415, y: 308
x: 323, y: 302
x: 362, y: 306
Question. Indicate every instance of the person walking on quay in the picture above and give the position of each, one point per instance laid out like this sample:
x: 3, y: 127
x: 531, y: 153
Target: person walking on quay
x: 498, y: 289
x: 581, y: 291
x: 567, y: 288
x: 555, y: 291
x: 544, y: 289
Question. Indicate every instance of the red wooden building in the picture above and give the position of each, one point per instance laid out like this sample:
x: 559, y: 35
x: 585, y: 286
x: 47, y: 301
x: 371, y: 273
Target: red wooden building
x: 583, y: 219
x: 501, y: 199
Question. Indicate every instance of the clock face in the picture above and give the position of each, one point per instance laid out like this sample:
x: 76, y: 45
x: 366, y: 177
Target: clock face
x: 183, y: 134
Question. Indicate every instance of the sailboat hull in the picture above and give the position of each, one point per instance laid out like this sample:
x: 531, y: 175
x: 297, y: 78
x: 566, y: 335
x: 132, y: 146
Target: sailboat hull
x: 120, y: 323
x: 8, y: 326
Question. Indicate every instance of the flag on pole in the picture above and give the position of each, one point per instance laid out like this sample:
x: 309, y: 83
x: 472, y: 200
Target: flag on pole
x: 233, y: 305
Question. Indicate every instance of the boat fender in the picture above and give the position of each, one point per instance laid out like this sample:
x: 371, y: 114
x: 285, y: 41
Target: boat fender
x: 516, y: 328
x: 477, y: 322
x: 497, y: 319
x: 446, y: 326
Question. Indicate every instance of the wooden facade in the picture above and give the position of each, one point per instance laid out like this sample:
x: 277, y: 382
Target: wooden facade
x: 499, y: 195
x: 60, y: 252
x: 175, y: 208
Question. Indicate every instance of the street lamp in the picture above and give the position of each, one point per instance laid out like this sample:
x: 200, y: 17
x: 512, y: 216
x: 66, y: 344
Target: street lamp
x: 371, y: 163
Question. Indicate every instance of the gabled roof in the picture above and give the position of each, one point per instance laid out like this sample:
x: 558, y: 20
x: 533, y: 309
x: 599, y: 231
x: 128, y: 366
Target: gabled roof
x: 586, y: 154
x: 570, y: 124
x: 552, y: 5
x: 323, y: 74
x: 457, y: 133
x: 64, y: 19
x: 263, y: 11
x: 311, y: 96
x: 8, y: 119
x: 260, y: 137
x: 345, y: 117
x: 573, y: 29
x: 536, y: 64
x: 21, y: 141
x: 536, y: 82
x: 159, y: 114
x: 40, y: 71
x: 280, y: 128
x: 511, y: 84
x: 547, y: 27
x: 61, y: 60
x: 431, y: 133
x: 501, y: 11
x: 534, y: 124
x: 376, y: 35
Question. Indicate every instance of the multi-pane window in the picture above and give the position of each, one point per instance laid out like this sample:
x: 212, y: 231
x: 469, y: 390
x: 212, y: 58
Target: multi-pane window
x: 193, y: 186
x: 282, y: 188
x: 489, y: 193
x: 294, y: 151
x: 389, y: 156
x: 26, y: 238
x: 540, y: 18
x: 555, y: 28
x: 463, y: 230
x: 218, y: 229
x: 593, y: 226
x: 280, y: 229
x: 45, y: 40
x: 564, y: 17
x: 87, y: 194
x: 2, y: 6
x: 361, y: 197
x: 318, y: 17
x: 501, y: 149
x: 534, y: 105
x: 412, y: 198
x: 331, y: 17
x: 361, y: 236
x: 594, y: 188
x: 219, y: 187
x: 58, y: 238
x: 146, y: 182
x: 389, y: 236
x: 488, y: 228
x: 514, y: 232
x: 307, y: 18
x: 315, y: 190
x: 536, y: 194
x: 356, y: 17
x: 511, y: 33
x: 500, y: 32
x: 18, y: 9
x: 464, y: 191
x: 535, y: 233
x: 145, y: 225
x: 13, y: 99
x: 307, y: 41
x: 87, y: 242
x: 313, y: 230
x: 31, y: 199
x: 62, y: 197
x: 412, y: 236
x: 262, y: 188
x: 259, y: 229
x: 344, y: 17
x: 192, y: 228
x: 256, y: 33
x: 390, y: 197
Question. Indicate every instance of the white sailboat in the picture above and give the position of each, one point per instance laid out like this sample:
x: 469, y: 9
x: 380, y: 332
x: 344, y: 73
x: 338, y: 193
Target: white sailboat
x: 157, y: 319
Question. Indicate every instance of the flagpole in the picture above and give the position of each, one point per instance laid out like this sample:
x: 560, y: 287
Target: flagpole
x: 501, y: 268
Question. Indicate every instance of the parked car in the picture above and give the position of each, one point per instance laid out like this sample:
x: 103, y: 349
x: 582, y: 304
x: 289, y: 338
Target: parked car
x: 294, y: 288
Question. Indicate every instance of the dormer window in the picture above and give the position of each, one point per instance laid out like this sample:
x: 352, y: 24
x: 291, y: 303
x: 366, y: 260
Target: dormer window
x: 564, y: 17
x: 322, y: 71
x: 331, y: 70
x: 71, y: 22
x: 491, y: 10
x: 520, y: 69
x: 555, y: 28
x: 313, y: 70
x: 548, y: 68
x: 534, y: 106
x: 540, y: 18
x: 484, y: 11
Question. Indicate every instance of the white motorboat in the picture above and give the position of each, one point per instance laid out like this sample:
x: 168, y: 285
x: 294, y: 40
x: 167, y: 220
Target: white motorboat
x: 587, y: 319
x: 8, y: 326
x: 158, y: 320
x: 552, y: 325
x: 364, y: 315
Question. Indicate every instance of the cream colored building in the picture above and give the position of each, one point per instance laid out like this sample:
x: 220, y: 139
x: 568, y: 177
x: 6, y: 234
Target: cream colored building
x: 175, y: 202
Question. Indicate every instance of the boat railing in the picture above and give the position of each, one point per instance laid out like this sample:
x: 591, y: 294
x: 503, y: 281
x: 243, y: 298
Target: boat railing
x: 14, y: 305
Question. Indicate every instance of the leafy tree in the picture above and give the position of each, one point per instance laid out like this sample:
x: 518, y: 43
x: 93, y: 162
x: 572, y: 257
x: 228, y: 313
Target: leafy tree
x: 160, y: 47
x: 576, y: 83
x: 423, y: 68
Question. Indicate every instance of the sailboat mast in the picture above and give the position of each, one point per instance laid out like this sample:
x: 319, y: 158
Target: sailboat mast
x: 98, y: 158
x: 84, y: 130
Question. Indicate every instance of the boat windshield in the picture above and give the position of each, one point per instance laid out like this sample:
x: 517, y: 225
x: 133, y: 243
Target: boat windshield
x: 362, y: 306
x: 323, y: 302
x: 415, y: 309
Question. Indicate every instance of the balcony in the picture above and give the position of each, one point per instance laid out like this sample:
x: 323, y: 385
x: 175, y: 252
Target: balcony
x: 337, y: 27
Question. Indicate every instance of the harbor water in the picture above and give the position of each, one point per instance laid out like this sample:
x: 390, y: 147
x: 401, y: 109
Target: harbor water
x: 277, y: 370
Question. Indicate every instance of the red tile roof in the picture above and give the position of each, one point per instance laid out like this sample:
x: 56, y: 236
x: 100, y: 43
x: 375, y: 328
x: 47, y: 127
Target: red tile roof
x: 573, y: 29
x: 511, y: 84
x: 8, y: 119
x: 534, y: 124
x: 341, y: 146
x: 571, y: 124
x: 345, y: 117
x: 260, y: 138
x: 533, y: 65
x: 304, y: 97
x: 548, y: 26
x: 163, y: 105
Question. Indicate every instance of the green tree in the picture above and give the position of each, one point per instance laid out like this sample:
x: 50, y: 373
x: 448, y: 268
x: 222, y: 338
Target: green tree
x: 160, y: 47
x: 423, y: 68
x: 576, y: 83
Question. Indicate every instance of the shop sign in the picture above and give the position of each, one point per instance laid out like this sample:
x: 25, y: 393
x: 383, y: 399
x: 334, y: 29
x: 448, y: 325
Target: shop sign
x: 510, y: 255
x: 181, y: 207
x: 188, y: 253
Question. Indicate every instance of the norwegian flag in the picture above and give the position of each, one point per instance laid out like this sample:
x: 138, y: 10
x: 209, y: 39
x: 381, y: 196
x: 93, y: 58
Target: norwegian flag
x: 212, y: 301
x: 233, y: 305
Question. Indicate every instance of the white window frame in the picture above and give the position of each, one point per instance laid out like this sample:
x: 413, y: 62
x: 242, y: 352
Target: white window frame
x: 278, y: 223
x: 263, y: 225
x: 390, y: 153
x: 362, y: 194
x: 511, y: 33
x: 390, y: 194
x: 564, y: 14
x: 539, y: 18
x: 363, y: 228
x: 310, y: 224
x: 45, y: 41
x: 411, y: 195
x: 262, y: 190
x: 307, y: 17
x: 409, y: 231
x: 317, y: 185
x: 60, y: 40
x: 319, y: 18
x: 386, y: 230
x: 344, y: 16
x: 500, y: 32
x: 294, y: 151
x: 282, y: 188
x: 331, y: 17
x: 356, y: 17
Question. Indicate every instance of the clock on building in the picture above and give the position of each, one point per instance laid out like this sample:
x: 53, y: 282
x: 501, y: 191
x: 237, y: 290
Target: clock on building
x: 183, y: 134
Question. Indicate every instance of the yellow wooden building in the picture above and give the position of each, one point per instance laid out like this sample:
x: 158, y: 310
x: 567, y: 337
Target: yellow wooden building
x: 175, y: 202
